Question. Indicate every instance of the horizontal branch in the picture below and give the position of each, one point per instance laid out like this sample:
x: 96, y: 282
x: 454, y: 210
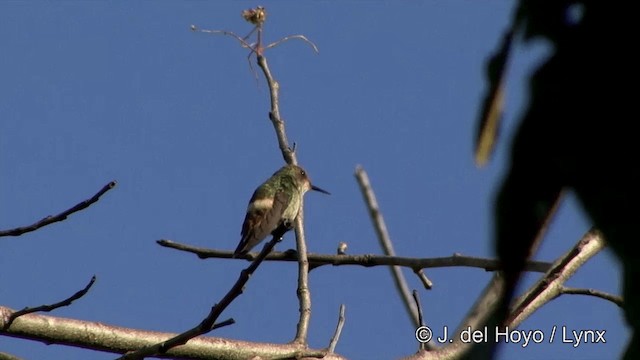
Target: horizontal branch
x: 114, y: 339
x: 60, y: 217
x: 366, y: 260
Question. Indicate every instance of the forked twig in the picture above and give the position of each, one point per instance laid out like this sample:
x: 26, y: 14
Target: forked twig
x: 290, y: 37
x: 48, y: 308
x: 228, y: 33
x: 256, y: 16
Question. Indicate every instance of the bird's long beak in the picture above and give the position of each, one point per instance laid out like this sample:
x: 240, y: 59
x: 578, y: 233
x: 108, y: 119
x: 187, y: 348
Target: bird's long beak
x: 313, y: 187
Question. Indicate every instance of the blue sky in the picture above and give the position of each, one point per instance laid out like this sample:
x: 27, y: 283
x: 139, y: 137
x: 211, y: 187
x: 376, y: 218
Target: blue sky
x: 99, y: 91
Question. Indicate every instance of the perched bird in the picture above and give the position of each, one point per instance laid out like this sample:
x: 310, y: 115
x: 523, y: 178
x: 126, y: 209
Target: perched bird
x: 274, y: 206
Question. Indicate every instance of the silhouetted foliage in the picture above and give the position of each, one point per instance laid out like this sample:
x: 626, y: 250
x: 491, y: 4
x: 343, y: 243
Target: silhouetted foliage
x: 576, y: 134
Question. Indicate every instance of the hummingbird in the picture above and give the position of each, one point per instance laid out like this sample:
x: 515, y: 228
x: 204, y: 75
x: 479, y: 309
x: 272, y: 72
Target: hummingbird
x: 274, y: 206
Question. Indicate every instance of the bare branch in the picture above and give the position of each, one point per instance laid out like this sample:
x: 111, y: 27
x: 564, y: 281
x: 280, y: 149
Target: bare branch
x: 304, y: 294
x: 48, y: 308
x: 227, y: 33
x: 5, y: 356
x: 338, y: 332
x: 257, y: 16
x: 208, y: 324
x: 385, y: 242
x: 60, y: 217
x: 546, y: 289
x: 618, y: 300
x: 114, y: 339
x: 366, y: 260
x: 287, y: 38
x: 274, y: 114
x: 416, y: 298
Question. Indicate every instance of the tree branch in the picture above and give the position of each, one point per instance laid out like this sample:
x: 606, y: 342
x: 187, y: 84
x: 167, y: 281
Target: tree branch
x: 208, y: 324
x: 416, y: 298
x: 545, y: 290
x: 549, y: 287
x: 5, y: 356
x: 48, y: 308
x: 366, y: 260
x: 618, y: 300
x: 60, y: 217
x: 303, y: 292
x: 385, y: 242
x: 257, y: 17
x: 114, y: 339
x: 336, y: 335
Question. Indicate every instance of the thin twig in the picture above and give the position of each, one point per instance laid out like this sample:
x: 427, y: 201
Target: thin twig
x: 549, y: 286
x: 366, y: 260
x: 287, y: 38
x: 618, y: 300
x: 385, y: 242
x: 338, y: 332
x: 416, y: 299
x: 60, y: 217
x: 227, y: 33
x: 274, y: 114
x: 48, y: 308
x: 423, y: 279
x: 208, y: 324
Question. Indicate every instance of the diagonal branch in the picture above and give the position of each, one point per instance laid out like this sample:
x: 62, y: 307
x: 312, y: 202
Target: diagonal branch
x: 550, y: 286
x: 366, y: 260
x: 545, y: 290
x: 48, y: 308
x: 385, y: 243
x: 336, y: 335
x: 208, y: 324
x: 60, y: 217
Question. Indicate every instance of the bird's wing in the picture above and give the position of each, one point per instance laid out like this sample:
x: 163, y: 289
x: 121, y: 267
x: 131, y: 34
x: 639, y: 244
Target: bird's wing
x: 259, y: 223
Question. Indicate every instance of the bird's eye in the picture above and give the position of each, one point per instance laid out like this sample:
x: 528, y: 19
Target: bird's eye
x: 302, y: 173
